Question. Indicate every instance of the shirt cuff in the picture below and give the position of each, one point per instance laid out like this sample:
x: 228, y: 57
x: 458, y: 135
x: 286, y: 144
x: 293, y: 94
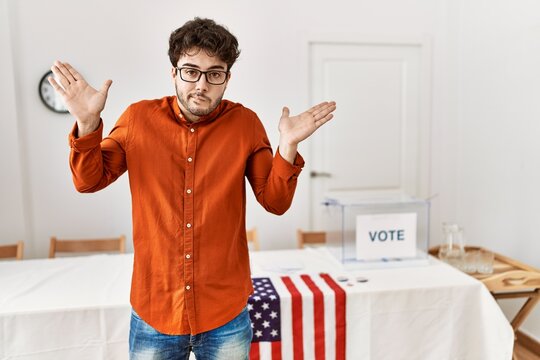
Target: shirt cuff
x: 86, y: 142
x: 286, y: 170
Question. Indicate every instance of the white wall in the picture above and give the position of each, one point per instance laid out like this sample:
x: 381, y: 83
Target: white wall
x: 485, y: 78
x: 498, y: 161
x: 12, y: 200
x: 104, y: 40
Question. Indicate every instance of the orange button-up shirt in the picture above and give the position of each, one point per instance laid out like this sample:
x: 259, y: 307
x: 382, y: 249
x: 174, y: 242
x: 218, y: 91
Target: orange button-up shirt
x: 191, y: 263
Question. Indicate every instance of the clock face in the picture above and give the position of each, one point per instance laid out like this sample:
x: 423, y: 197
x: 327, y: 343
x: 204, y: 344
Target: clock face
x: 49, y: 96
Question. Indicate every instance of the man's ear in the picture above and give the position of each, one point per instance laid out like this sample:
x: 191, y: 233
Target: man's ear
x: 173, y: 72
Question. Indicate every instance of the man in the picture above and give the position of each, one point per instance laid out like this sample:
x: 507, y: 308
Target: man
x: 188, y: 157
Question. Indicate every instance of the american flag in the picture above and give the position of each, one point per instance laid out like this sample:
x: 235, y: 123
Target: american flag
x: 297, y: 317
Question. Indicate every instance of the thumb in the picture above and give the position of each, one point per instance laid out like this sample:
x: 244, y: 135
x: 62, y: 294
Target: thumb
x: 285, y: 112
x: 105, y: 87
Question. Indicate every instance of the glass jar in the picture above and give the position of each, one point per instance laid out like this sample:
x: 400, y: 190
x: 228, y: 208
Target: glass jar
x: 452, y: 250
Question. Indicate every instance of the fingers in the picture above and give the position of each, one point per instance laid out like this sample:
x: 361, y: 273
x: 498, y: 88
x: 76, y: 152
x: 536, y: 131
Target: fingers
x: 320, y: 122
x: 323, y: 105
x: 323, y: 108
x: 56, y: 87
x: 64, y: 69
x: 285, y: 112
x: 65, y: 74
x: 318, y: 106
x: 323, y: 113
x: 74, y: 73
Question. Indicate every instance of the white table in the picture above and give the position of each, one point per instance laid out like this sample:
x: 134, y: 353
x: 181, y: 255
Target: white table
x: 65, y: 308
x: 78, y: 308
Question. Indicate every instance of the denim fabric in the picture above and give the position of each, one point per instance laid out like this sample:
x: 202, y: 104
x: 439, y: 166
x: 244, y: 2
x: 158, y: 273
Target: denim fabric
x: 228, y: 342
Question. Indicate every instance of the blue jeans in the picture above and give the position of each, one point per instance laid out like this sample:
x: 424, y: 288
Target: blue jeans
x: 230, y: 341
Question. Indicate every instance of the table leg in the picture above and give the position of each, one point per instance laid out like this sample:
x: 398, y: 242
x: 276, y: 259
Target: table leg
x: 525, y: 310
x: 532, y: 299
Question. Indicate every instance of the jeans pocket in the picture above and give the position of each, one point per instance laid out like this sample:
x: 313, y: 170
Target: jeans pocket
x: 135, y: 315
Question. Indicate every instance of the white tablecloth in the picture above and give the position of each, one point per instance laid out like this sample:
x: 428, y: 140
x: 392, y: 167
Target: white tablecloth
x: 78, y: 308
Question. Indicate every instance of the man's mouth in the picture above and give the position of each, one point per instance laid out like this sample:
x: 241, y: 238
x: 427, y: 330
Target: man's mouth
x: 199, y: 97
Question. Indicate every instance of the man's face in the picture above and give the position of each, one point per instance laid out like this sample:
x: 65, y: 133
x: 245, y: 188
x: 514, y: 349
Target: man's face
x: 198, y: 98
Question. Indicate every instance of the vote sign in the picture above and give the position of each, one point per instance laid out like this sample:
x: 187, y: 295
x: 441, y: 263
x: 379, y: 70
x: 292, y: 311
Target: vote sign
x: 381, y: 236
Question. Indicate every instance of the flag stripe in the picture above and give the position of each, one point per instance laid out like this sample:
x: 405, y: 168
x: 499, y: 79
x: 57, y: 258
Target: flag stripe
x: 298, y: 339
x: 265, y: 350
x: 340, y: 316
x: 329, y: 317
x: 308, y: 331
x: 286, y: 319
x: 254, y: 351
x: 276, y: 350
x: 318, y: 317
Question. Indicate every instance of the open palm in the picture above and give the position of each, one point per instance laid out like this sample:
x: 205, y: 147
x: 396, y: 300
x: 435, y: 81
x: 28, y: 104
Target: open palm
x: 83, y: 101
x: 298, y: 128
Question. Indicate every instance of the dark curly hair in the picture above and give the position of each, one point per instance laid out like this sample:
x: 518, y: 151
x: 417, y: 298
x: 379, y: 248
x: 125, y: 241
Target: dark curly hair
x: 204, y: 34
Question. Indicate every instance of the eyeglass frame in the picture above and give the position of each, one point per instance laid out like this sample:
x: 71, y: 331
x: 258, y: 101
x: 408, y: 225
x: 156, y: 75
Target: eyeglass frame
x: 179, y: 70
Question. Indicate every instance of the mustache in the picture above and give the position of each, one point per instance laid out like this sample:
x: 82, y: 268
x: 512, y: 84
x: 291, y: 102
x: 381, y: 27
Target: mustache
x: 200, y: 95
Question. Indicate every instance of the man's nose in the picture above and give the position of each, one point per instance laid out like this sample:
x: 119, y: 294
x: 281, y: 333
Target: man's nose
x: 202, y: 83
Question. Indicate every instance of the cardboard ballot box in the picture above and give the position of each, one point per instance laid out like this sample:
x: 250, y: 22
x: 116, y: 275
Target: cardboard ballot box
x: 377, y: 230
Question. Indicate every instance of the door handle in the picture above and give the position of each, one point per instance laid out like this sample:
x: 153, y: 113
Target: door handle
x: 315, y: 174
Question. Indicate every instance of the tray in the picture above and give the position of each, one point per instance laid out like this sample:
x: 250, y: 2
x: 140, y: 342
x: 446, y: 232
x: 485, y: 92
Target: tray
x: 508, y: 274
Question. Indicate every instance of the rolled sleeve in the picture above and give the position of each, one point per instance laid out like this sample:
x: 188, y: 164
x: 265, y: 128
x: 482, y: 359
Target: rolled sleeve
x: 87, y: 142
x: 286, y: 170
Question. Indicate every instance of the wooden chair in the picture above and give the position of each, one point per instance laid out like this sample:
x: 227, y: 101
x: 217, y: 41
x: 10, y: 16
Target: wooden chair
x: 87, y: 245
x: 12, y: 251
x: 310, y: 237
x: 253, y: 237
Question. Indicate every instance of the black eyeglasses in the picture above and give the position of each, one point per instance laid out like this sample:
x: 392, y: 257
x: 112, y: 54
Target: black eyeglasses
x: 214, y: 77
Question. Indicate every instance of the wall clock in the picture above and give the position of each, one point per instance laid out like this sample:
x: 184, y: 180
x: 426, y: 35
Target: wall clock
x: 48, y: 95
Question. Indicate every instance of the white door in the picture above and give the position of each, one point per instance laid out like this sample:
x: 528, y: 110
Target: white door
x: 379, y: 138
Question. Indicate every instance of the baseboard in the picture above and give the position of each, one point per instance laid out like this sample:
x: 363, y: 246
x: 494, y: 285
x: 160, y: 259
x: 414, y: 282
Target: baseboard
x: 528, y: 342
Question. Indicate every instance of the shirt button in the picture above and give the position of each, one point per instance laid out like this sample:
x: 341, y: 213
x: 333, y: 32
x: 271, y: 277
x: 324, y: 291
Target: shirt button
x: 192, y: 130
x: 188, y: 256
x: 189, y: 159
x: 188, y: 225
x: 188, y: 287
x: 188, y: 191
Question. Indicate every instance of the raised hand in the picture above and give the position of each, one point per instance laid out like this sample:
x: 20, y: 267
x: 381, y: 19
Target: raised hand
x: 83, y: 101
x: 294, y: 129
x: 298, y: 128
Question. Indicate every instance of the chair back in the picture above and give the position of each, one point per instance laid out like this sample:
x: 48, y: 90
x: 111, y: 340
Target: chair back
x: 117, y: 244
x: 310, y: 238
x: 253, y: 238
x: 14, y: 251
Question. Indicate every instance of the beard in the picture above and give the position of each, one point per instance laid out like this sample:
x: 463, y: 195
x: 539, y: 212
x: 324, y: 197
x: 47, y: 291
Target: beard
x: 197, y: 110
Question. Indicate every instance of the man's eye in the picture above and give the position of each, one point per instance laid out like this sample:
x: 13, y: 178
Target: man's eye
x: 191, y: 72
